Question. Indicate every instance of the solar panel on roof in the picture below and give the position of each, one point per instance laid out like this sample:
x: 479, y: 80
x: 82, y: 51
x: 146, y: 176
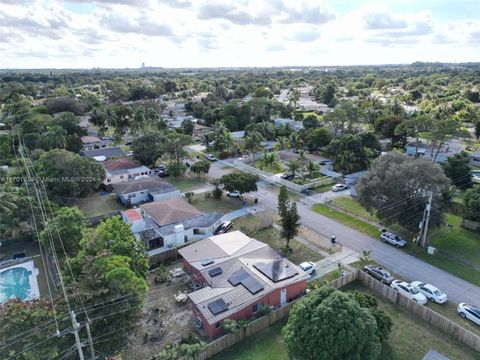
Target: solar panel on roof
x: 252, y: 285
x: 207, y: 262
x: 276, y: 270
x: 237, y: 277
x: 215, y: 272
x: 218, y: 306
x: 244, y: 278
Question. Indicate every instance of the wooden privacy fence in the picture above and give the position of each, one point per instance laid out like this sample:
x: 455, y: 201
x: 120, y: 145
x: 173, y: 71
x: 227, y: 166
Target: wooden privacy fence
x: 451, y: 328
x: 255, y: 326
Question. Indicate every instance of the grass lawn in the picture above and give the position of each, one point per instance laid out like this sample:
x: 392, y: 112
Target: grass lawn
x: 265, y: 345
x: 410, y: 339
x: 96, y: 204
x: 459, y: 242
x: 351, y: 205
x: 274, y: 168
x: 346, y: 219
x: 272, y: 237
x: 465, y: 272
x: 225, y: 205
x: 322, y: 188
x: 187, y: 183
x: 307, y: 113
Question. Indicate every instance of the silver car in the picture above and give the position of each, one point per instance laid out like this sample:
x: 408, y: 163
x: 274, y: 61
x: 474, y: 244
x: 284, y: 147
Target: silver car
x: 393, y: 239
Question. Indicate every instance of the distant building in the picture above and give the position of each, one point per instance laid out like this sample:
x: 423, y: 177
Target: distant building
x: 447, y: 150
x: 240, y: 276
x: 475, y: 158
x: 93, y: 142
x: 295, y: 125
x: 144, y: 190
x: 162, y: 225
x: 122, y: 170
x: 104, y: 153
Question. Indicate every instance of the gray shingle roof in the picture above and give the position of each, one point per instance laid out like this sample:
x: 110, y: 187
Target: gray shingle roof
x: 154, y: 185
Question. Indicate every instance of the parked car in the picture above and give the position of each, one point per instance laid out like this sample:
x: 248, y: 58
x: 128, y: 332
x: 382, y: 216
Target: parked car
x: 308, y: 266
x: 431, y: 292
x: 469, y: 312
x: 129, y: 153
x: 393, y: 239
x: 211, y: 157
x: 339, y: 187
x: 234, y: 194
x: 379, y: 273
x: 287, y: 176
x: 409, y: 291
x: 223, y: 228
x: 110, y: 138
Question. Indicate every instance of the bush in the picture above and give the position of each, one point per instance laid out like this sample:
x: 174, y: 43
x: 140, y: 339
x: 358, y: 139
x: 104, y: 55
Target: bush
x: 232, y: 326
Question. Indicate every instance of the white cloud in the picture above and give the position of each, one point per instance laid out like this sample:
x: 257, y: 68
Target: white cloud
x: 180, y: 33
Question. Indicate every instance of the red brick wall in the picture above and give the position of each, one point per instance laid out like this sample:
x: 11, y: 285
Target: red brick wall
x: 196, y: 275
x: 272, y: 299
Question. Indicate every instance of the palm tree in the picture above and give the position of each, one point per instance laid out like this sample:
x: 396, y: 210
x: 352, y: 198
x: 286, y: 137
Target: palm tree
x: 293, y: 166
x: 294, y: 140
x: 7, y: 202
x: 312, y: 168
x: 55, y: 138
x: 253, y: 143
x: 365, y: 258
x: 222, y: 137
x: 345, y: 161
x: 283, y: 143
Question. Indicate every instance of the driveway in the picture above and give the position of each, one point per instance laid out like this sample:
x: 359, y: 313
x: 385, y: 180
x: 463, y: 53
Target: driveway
x: 327, y: 196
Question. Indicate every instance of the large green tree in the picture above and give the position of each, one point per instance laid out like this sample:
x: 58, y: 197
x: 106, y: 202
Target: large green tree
x: 243, y: 183
x: 471, y: 204
x: 290, y: 220
x: 330, y: 324
x: 458, y: 170
x: 67, y: 225
x: 147, y: 148
x: 397, y: 188
x: 69, y: 174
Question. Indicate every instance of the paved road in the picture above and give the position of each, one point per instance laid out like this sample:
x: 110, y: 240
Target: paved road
x: 391, y: 258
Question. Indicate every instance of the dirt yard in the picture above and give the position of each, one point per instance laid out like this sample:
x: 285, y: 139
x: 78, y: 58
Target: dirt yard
x: 163, y: 319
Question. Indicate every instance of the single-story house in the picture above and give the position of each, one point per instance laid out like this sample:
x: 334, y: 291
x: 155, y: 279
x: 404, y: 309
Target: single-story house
x: 144, y: 190
x: 200, y: 130
x: 295, y: 125
x: 475, y: 158
x: 447, y: 150
x: 107, y: 152
x: 122, y: 170
x: 240, y: 276
x: 92, y: 142
x: 237, y: 135
x: 162, y: 225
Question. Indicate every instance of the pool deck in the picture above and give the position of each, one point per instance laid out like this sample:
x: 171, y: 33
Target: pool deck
x: 28, y: 265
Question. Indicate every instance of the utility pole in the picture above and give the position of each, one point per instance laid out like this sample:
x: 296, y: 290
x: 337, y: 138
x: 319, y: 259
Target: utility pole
x: 427, y: 219
x: 76, y: 326
x: 90, y: 341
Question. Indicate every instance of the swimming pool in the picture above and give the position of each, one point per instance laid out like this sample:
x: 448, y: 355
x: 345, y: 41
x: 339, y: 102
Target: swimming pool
x: 15, y: 283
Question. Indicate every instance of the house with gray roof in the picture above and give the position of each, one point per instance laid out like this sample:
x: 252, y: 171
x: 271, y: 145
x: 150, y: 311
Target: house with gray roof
x: 238, y: 276
x: 113, y: 152
x: 144, y: 190
x: 163, y: 225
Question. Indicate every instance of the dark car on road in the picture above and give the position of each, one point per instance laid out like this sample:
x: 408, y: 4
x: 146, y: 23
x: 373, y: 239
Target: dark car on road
x: 287, y: 176
x: 224, y: 227
x: 379, y: 273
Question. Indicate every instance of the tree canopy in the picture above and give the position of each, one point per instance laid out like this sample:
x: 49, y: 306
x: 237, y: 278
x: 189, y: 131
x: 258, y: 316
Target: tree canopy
x: 331, y: 324
x: 243, y: 183
x: 397, y: 188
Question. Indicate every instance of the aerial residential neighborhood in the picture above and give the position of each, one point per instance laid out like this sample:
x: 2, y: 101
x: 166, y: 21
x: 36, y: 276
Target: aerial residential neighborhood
x: 239, y: 180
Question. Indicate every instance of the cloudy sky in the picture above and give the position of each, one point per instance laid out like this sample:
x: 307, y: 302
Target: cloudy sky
x: 213, y: 33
